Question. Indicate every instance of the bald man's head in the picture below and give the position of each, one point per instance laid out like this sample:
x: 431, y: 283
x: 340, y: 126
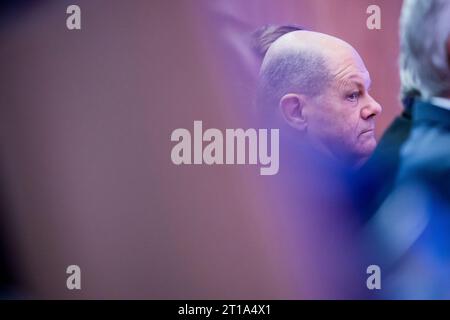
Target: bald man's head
x: 320, y: 85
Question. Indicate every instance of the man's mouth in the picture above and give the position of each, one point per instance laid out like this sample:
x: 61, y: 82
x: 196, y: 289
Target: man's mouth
x: 366, y: 131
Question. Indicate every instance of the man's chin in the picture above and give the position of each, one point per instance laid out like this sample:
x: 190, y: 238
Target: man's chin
x: 365, y: 151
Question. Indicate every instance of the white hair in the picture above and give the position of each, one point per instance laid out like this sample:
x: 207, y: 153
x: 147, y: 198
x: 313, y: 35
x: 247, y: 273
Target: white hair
x: 424, y: 32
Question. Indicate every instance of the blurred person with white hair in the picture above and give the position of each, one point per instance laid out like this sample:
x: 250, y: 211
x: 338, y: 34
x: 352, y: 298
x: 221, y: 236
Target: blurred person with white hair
x: 412, y: 226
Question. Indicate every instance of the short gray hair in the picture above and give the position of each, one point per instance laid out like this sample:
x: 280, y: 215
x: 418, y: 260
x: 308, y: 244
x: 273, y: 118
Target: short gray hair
x: 297, y: 71
x: 424, y: 32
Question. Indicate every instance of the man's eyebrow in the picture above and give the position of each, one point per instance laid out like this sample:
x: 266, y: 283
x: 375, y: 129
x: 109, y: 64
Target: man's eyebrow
x: 356, y: 81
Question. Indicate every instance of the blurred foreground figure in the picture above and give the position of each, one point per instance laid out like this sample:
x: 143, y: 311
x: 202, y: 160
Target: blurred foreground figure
x: 7, y: 282
x: 10, y: 279
x: 412, y: 226
x: 318, y: 85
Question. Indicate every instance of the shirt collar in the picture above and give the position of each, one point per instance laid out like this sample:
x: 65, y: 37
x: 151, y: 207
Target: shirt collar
x: 441, y: 102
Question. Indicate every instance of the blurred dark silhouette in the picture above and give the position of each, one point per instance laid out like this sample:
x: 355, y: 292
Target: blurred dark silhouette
x: 9, y: 11
x: 7, y: 279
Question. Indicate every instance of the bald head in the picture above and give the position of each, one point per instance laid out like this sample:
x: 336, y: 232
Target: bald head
x: 301, y: 62
x: 307, y: 41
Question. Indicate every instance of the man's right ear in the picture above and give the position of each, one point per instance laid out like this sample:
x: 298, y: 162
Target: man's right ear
x: 291, y: 107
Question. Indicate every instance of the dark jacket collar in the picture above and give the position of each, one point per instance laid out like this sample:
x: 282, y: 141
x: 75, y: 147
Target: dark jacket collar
x: 424, y: 111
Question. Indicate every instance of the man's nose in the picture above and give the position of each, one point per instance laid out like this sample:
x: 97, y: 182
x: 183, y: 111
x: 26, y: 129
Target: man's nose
x: 371, y: 109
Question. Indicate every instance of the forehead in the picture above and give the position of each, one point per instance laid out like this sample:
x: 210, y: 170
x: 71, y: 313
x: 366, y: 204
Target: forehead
x: 352, y: 78
x: 348, y: 67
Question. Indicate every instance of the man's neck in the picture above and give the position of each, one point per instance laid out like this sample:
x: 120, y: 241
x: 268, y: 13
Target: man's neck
x: 338, y: 159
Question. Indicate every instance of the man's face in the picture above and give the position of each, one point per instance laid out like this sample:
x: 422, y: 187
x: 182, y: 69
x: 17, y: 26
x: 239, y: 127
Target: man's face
x: 341, y: 121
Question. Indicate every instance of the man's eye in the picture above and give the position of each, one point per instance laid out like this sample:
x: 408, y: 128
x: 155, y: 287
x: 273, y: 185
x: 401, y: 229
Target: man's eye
x: 353, y: 96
